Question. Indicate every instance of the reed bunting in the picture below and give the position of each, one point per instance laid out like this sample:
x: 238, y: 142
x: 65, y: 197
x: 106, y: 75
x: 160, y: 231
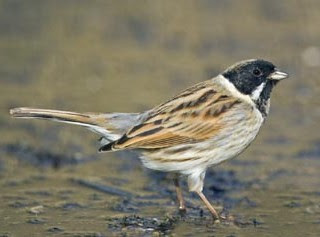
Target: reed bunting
x: 206, y: 124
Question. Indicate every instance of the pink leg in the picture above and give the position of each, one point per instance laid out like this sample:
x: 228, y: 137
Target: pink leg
x: 182, y: 206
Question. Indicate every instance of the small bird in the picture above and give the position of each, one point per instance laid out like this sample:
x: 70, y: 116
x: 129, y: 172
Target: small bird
x: 206, y: 124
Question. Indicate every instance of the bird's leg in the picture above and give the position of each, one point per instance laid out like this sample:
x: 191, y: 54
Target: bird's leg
x: 195, y: 183
x: 209, y: 206
x: 182, y: 207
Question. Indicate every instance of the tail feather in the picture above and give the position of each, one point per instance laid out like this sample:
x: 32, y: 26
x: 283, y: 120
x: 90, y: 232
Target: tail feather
x: 110, y: 125
x: 95, y: 122
x: 63, y: 116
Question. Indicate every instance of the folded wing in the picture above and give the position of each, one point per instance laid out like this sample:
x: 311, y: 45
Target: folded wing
x: 192, y: 116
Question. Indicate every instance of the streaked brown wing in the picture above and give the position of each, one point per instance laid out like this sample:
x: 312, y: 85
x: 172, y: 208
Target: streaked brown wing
x: 192, y: 116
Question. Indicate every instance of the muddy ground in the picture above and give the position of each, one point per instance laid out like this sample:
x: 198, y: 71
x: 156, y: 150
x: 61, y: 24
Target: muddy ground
x: 129, y: 56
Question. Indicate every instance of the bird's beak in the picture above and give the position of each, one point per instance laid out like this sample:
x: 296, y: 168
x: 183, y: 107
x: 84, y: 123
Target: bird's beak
x: 278, y: 75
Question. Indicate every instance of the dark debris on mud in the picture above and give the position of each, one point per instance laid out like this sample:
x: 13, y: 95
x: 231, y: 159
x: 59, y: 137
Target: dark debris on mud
x: 143, y: 224
x: 147, y: 225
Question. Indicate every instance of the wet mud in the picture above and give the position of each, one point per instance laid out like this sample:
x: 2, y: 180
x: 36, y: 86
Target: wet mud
x: 132, y: 212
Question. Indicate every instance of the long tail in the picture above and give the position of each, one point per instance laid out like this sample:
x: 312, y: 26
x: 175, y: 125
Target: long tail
x: 61, y: 116
x: 98, y: 123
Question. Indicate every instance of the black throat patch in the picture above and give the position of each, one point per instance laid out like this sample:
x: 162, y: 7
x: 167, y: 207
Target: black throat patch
x: 262, y: 101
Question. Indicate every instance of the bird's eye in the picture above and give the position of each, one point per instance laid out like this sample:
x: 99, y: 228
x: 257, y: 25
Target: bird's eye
x: 257, y: 72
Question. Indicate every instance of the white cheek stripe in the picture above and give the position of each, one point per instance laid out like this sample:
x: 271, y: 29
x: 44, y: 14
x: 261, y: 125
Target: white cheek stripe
x: 232, y: 89
x: 257, y: 92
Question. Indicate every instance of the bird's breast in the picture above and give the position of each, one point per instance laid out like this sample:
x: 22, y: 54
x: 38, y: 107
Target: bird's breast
x: 236, y: 137
x: 240, y: 128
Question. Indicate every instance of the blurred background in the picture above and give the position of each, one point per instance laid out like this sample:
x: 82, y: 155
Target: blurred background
x: 127, y: 56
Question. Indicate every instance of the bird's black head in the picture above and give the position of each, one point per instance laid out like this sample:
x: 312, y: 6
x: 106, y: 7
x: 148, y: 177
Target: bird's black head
x: 247, y: 76
x: 255, y: 77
